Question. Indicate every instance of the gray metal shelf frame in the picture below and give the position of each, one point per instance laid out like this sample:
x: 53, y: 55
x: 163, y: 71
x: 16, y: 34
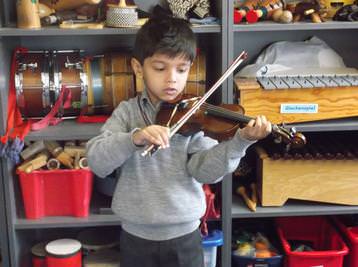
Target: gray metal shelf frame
x: 4, y: 243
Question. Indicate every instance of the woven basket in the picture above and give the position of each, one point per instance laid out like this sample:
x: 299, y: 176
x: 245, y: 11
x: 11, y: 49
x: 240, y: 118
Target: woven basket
x: 121, y: 15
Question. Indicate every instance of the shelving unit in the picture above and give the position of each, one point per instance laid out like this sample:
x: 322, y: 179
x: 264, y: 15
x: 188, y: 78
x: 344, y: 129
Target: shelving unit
x: 221, y: 43
x: 342, y: 37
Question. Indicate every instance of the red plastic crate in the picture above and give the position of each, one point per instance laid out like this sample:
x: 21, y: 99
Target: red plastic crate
x: 56, y: 192
x: 329, y: 247
x: 351, y: 236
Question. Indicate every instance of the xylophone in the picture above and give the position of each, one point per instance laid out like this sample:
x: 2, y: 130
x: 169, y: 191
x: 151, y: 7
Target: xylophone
x: 325, y: 170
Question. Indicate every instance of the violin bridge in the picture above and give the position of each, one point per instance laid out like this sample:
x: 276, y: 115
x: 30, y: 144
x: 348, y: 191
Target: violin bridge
x: 172, y: 115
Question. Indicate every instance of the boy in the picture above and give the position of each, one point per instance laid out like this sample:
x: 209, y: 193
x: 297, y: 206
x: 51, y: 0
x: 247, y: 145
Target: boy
x: 160, y: 198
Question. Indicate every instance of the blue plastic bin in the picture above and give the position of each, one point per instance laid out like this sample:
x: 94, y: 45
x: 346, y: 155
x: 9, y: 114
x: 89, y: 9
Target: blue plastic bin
x: 210, y: 244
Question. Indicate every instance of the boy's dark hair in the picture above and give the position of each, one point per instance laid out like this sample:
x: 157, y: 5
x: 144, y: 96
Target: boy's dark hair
x: 169, y: 36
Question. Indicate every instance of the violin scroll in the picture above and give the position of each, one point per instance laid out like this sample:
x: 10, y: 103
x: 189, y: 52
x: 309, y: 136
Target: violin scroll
x: 289, y: 136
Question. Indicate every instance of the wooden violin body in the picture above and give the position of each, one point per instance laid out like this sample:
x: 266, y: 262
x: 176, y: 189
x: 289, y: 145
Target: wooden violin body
x: 220, y: 129
x: 219, y: 122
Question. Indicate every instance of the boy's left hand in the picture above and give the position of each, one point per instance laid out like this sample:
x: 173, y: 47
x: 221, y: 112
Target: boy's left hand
x: 256, y: 129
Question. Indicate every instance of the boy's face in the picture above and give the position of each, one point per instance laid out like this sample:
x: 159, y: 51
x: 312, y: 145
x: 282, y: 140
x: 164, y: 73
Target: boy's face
x: 164, y: 77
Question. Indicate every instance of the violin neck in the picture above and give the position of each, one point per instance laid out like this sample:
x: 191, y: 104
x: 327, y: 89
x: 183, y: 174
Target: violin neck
x: 227, y: 114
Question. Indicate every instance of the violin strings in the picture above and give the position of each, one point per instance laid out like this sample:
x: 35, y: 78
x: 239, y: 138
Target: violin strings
x: 224, y: 111
x: 197, y: 105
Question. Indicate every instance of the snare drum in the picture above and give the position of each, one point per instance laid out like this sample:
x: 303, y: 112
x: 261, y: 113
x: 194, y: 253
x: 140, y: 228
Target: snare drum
x: 64, y: 253
x: 32, y: 83
x: 68, y: 71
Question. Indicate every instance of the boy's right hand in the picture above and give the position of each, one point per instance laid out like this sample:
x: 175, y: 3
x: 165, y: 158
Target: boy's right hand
x: 153, y: 134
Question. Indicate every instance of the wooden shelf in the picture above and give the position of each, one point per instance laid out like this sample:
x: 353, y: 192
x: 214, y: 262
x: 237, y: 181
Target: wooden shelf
x: 291, y: 208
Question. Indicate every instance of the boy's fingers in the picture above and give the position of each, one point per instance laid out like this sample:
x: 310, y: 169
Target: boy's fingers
x: 164, y: 137
x: 258, y: 122
x: 251, y: 123
x: 158, y: 135
x: 264, y: 120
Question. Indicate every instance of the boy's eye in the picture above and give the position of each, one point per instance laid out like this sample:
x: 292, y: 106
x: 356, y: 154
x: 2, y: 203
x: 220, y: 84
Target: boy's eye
x: 158, y: 68
x: 182, y: 70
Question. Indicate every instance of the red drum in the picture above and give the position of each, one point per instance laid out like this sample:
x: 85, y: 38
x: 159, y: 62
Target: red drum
x: 64, y: 253
x: 32, y: 83
x: 39, y: 255
x: 68, y: 71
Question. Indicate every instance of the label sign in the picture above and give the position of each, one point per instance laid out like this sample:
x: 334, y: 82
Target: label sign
x: 299, y: 108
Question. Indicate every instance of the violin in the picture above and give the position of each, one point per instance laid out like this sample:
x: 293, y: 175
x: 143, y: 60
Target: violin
x: 219, y: 122
x: 198, y: 108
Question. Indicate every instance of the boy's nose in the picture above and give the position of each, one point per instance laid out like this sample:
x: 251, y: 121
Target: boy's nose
x: 171, y: 77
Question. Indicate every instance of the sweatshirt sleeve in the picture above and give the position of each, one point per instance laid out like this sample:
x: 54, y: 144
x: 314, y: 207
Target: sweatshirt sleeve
x: 210, y: 160
x: 114, y: 145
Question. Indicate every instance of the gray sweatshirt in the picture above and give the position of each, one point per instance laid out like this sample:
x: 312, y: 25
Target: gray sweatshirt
x: 159, y: 197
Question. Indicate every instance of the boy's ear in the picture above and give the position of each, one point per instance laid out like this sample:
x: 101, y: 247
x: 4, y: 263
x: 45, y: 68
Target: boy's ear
x: 137, y: 67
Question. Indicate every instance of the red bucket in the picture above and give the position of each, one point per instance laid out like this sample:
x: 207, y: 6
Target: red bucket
x: 351, y: 236
x: 56, y: 192
x: 329, y: 247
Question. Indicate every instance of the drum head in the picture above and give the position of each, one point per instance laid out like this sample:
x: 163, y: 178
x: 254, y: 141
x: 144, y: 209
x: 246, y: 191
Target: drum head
x: 95, y: 239
x: 63, y: 247
x: 38, y: 250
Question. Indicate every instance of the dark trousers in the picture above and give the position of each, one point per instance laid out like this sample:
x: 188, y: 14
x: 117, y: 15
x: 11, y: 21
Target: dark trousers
x: 184, y: 251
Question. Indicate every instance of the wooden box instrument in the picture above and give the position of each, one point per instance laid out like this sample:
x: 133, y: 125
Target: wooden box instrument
x: 325, y: 170
x: 298, y: 105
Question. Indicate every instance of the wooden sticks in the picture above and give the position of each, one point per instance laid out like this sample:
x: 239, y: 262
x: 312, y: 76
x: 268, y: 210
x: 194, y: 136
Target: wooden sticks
x: 250, y: 202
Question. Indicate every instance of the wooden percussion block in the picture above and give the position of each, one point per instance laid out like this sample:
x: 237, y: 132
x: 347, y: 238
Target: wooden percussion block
x: 117, y: 63
x: 195, y: 88
x: 322, y: 180
x: 121, y: 87
x: 331, y: 103
x: 198, y: 69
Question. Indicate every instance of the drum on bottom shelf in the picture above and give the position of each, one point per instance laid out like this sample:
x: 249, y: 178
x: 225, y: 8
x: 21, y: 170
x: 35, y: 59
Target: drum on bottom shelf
x: 63, y: 253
